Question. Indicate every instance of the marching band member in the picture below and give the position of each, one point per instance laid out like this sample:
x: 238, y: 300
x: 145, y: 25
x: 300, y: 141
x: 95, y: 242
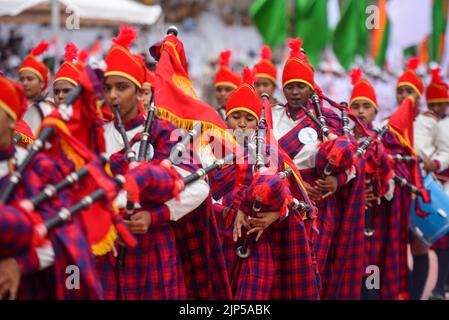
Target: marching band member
x: 279, y: 241
x: 147, y: 87
x: 300, y: 137
x: 409, y: 84
x: 41, y: 268
x: 434, y: 148
x: 135, y: 276
x: 266, y: 74
x: 33, y: 75
x: 66, y: 78
x: 226, y: 81
x: 382, y: 246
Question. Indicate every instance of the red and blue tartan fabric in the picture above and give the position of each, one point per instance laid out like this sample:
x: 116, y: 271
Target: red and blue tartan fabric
x: 327, y: 208
x: 199, y: 244
x: 187, y: 252
x: 269, y: 272
x: 397, y: 213
x: 346, y: 255
x: 382, y: 248
x: 152, y: 270
x: 16, y: 230
x: 339, y: 152
x: 68, y: 241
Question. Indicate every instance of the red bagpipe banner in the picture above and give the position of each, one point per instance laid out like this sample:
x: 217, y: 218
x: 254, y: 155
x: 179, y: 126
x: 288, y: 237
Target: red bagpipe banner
x: 401, y: 123
x: 79, y: 138
x: 175, y: 96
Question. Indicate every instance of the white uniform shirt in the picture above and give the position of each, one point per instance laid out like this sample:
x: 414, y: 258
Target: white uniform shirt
x: 282, y: 124
x: 442, y: 141
x: 432, y: 139
x: 425, y: 132
x: 33, y: 117
x: 305, y: 159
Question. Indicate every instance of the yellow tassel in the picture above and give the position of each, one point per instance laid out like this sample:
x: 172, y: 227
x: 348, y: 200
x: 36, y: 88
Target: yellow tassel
x: 107, y: 168
x: 99, y: 104
x: 77, y: 160
x: 402, y: 140
x: 105, y: 245
x: 188, y: 124
x: 286, y: 166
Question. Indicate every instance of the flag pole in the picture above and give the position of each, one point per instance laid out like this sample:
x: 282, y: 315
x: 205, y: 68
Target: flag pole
x: 55, y: 26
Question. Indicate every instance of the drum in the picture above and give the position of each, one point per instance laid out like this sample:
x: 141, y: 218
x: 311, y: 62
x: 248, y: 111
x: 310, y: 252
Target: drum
x: 436, y: 224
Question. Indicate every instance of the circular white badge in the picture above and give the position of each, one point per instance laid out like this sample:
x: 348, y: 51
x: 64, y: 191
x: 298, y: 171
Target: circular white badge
x: 150, y: 150
x: 308, y: 136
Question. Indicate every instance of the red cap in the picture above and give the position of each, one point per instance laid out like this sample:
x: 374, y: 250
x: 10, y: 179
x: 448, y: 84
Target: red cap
x: 265, y: 68
x: 121, y: 62
x: 297, y: 67
x: 12, y: 98
x: 69, y: 70
x: 362, y: 90
x: 437, y: 91
x: 149, y: 78
x: 225, y: 76
x: 410, y: 78
x: 245, y: 97
x: 31, y: 63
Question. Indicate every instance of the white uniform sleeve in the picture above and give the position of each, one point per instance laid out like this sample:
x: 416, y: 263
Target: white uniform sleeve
x: 390, y: 193
x: 32, y: 118
x: 46, y: 256
x: 305, y: 159
x: 425, y: 131
x: 351, y: 173
x: 442, y: 143
x: 191, y: 198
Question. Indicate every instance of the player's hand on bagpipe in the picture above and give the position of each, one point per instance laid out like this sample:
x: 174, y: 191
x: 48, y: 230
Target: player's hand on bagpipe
x: 139, y: 222
x: 261, y: 222
x: 429, y: 165
x: 313, y: 193
x: 330, y: 137
x: 10, y: 274
x: 328, y: 184
x: 241, y: 220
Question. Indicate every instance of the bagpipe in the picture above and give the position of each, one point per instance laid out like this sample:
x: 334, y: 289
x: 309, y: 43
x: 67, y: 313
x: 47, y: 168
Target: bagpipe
x: 261, y: 134
x: 361, y: 149
x: 371, y: 180
x: 322, y: 126
x: 398, y: 179
x: 129, y: 152
x: 29, y: 205
x: 145, y: 137
x: 402, y: 158
x: 243, y: 251
x: 106, y: 186
x: 345, y: 120
x: 65, y: 214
